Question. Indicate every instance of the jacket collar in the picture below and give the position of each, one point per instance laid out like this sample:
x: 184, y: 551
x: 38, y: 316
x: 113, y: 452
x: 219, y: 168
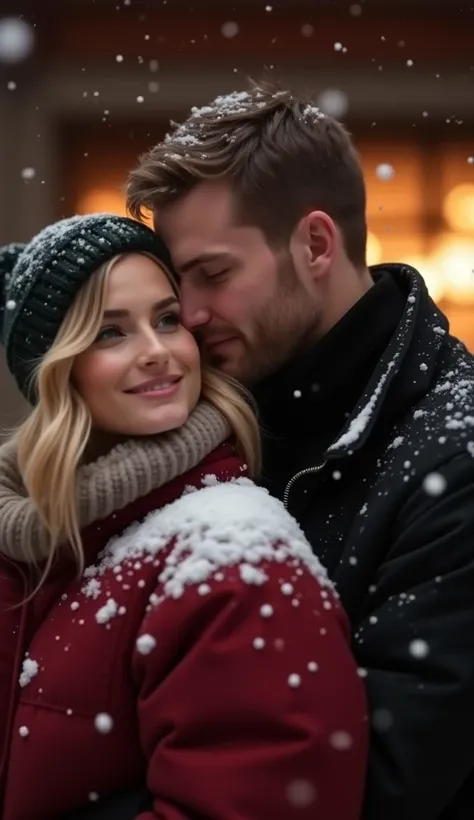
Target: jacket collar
x: 420, y: 335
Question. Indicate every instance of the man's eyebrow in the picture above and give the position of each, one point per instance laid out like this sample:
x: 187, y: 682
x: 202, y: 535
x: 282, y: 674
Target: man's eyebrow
x: 201, y: 259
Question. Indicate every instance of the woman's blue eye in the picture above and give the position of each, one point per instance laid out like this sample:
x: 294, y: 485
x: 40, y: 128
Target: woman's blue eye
x: 108, y: 333
x: 169, y: 321
x: 165, y: 323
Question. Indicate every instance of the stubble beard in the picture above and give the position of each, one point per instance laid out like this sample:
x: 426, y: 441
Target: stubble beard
x: 287, y: 325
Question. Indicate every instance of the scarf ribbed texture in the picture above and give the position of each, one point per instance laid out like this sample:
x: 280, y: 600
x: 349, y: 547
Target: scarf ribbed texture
x: 130, y: 471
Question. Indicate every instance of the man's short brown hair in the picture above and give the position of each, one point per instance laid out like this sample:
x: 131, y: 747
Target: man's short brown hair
x: 281, y: 156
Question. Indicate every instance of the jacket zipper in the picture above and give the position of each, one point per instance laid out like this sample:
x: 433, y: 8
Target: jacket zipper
x: 309, y: 471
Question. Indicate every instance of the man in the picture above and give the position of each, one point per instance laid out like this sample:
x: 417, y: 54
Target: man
x: 366, y: 405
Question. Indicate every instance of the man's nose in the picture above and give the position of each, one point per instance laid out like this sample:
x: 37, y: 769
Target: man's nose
x: 193, y: 313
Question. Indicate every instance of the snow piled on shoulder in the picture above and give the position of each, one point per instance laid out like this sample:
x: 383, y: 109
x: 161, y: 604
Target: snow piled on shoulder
x: 232, y: 524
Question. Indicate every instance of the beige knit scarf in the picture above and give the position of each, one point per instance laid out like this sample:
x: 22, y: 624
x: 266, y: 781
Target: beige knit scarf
x: 130, y: 471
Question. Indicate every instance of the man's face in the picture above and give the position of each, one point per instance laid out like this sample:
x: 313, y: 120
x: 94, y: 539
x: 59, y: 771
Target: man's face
x: 245, y: 302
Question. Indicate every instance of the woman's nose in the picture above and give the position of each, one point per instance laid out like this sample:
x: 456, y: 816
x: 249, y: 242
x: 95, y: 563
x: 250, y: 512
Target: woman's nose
x: 153, y: 350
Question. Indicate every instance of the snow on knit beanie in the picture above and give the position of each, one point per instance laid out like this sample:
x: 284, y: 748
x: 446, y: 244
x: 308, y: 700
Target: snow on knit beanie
x: 40, y: 280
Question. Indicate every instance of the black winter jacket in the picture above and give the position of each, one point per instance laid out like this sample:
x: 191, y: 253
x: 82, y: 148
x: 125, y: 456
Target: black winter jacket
x: 389, y: 508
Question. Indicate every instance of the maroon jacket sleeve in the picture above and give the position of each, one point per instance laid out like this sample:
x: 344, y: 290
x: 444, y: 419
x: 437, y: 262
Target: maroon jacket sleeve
x: 250, y: 705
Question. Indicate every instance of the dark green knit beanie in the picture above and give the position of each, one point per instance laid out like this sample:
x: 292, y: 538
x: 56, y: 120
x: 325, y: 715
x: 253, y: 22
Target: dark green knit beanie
x: 39, y: 281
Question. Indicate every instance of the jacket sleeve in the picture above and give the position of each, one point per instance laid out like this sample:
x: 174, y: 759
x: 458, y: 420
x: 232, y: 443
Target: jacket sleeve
x: 250, y: 706
x: 417, y: 645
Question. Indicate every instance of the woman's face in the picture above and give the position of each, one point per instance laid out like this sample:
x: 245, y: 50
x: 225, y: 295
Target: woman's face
x: 142, y: 374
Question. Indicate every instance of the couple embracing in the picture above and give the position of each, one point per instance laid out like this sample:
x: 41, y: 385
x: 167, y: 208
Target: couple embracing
x: 237, y: 527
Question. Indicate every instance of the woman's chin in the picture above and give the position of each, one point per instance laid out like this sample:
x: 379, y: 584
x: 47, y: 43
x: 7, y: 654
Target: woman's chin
x: 162, y: 420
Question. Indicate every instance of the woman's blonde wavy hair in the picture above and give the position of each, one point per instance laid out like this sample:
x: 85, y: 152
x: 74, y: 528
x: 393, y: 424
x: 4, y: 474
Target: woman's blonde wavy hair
x: 52, y: 440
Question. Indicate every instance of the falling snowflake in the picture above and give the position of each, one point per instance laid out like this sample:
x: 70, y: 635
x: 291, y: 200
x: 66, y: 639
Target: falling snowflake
x: 28, y: 173
x: 418, y: 648
x: 103, y: 723
x: 307, y: 30
x: 119, y: 58
x: 385, y: 171
x: 145, y: 644
x: 294, y: 681
x: 140, y: 99
x: 16, y: 40
x: 258, y: 643
x: 341, y: 741
x: 24, y: 731
x: 434, y: 484
x: 470, y: 160
x: 382, y: 720
x: 338, y: 46
x: 229, y: 29
x: 301, y: 793
x: 333, y: 102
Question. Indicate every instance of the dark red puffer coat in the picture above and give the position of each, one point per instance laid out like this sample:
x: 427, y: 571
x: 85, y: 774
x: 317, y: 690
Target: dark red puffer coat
x: 224, y: 678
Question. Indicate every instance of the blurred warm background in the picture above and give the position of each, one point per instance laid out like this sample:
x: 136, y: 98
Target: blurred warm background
x: 87, y: 85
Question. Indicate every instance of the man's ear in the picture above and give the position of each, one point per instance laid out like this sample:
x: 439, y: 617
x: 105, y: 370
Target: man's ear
x: 313, y: 244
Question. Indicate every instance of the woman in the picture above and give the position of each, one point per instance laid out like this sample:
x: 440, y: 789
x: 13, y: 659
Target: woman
x: 163, y: 619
